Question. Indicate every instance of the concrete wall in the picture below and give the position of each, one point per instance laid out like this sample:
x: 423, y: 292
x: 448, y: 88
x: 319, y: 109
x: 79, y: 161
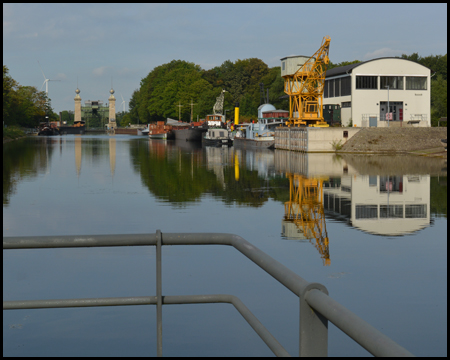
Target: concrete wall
x: 310, y: 139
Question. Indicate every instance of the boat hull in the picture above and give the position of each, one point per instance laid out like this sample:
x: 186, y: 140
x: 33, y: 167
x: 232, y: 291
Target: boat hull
x: 63, y: 130
x: 216, y: 142
x: 190, y: 134
x: 253, y: 143
x: 48, y: 132
x: 162, y: 136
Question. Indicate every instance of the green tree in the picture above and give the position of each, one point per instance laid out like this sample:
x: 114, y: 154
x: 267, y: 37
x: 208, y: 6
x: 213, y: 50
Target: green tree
x: 438, y: 99
x: 24, y: 105
x: 9, y: 88
x: 67, y: 117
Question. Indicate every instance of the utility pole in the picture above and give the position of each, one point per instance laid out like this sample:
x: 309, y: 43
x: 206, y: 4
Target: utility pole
x: 179, y: 112
x: 192, y: 110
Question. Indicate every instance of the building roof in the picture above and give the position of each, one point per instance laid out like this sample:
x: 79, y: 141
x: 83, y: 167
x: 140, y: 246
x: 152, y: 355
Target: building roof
x: 347, y: 69
x: 294, y: 56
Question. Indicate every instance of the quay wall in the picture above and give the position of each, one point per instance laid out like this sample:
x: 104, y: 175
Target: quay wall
x: 311, y: 139
x: 126, y: 131
x: 363, y: 140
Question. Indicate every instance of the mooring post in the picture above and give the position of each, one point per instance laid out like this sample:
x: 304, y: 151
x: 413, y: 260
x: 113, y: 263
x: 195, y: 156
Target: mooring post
x: 313, y: 327
x: 158, y: 293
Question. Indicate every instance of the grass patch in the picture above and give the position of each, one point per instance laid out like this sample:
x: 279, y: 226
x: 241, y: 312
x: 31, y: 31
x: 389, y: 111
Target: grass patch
x: 337, y: 145
x: 12, y: 132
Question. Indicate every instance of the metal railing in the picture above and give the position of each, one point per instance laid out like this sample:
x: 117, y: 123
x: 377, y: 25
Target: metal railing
x: 316, y: 307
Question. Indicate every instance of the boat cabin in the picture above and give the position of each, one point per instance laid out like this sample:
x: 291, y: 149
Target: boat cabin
x: 216, y: 120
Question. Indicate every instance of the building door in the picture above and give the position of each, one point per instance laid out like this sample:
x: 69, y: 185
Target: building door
x: 395, y: 107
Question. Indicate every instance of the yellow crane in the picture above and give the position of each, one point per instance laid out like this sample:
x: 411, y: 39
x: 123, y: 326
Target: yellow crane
x: 305, y: 210
x: 305, y: 89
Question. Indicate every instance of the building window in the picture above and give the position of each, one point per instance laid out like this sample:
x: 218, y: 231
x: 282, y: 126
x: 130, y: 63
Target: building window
x: 394, y: 82
x: 366, y: 212
x: 345, y: 134
x: 283, y: 64
x: 331, y: 90
x: 325, y: 90
x: 346, y: 88
x: 416, y: 211
x: 416, y: 83
x: 337, y: 87
x: 367, y: 82
x: 346, y: 104
x: 391, y: 211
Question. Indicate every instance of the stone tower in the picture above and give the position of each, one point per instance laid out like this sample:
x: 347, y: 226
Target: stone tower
x: 77, y: 99
x: 112, y: 110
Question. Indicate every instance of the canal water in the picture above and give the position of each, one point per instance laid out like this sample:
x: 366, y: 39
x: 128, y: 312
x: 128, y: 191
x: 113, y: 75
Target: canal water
x: 372, y: 229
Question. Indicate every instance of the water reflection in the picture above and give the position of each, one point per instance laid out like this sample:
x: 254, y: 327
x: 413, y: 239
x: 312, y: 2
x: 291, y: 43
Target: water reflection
x: 383, y: 205
x: 25, y: 159
x: 304, y: 216
x: 94, y: 149
x: 381, y: 195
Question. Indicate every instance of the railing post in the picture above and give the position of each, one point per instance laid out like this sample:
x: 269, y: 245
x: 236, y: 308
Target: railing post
x: 313, y: 327
x: 158, y: 293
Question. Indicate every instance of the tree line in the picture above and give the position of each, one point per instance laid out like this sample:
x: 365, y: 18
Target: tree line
x: 169, y: 89
x: 24, y: 106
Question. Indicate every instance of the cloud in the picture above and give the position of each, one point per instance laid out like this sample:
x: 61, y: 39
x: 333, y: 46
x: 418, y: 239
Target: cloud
x: 99, y: 71
x: 28, y: 36
x: 383, y: 53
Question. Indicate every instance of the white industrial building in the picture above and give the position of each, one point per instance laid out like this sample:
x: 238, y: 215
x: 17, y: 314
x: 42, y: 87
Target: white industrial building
x: 362, y: 91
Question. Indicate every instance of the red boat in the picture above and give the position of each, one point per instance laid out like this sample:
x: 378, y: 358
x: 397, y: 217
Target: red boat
x: 160, y: 131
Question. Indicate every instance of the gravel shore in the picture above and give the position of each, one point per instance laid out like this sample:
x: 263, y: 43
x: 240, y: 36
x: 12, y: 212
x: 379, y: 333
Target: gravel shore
x: 397, y: 140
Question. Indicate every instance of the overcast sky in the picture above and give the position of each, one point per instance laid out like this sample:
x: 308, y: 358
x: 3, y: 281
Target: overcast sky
x: 95, y: 42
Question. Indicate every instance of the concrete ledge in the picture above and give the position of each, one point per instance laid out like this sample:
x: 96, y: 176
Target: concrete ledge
x: 311, y: 139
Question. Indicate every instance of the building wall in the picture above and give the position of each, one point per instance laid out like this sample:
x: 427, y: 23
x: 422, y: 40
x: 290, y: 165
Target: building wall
x: 366, y: 102
x: 291, y: 64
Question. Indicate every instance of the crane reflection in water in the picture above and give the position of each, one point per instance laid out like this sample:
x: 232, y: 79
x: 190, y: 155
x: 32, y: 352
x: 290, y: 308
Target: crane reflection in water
x: 304, y: 215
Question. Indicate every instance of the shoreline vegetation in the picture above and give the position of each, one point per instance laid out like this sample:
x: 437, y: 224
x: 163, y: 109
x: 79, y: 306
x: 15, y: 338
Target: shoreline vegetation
x: 12, y: 133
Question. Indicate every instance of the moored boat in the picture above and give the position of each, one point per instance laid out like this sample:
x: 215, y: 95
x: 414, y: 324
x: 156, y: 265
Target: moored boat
x: 190, y: 131
x: 262, y: 133
x: 48, y: 129
x: 77, y: 128
x: 160, y: 131
x: 217, y: 133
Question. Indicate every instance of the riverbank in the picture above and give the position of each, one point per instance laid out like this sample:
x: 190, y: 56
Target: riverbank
x: 416, y: 141
x: 11, y: 133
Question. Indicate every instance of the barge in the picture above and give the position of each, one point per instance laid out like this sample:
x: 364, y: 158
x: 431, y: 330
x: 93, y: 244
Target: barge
x: 160, y: 131
x: 190, y: 131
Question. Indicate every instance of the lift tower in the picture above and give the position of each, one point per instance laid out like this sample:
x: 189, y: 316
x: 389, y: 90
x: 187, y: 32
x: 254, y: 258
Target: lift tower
x: 305, y: 89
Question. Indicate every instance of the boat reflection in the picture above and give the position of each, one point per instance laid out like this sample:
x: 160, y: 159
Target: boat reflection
x: 304, y: 216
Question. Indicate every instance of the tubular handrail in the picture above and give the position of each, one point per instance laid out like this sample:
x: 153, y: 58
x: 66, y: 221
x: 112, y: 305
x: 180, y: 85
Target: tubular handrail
x: 316, y: 307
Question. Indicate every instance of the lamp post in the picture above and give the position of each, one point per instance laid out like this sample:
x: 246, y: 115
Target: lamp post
x: 388, y: 109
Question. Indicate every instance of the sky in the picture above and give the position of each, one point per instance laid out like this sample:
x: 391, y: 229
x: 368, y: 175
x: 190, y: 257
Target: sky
x: 94, y: 43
